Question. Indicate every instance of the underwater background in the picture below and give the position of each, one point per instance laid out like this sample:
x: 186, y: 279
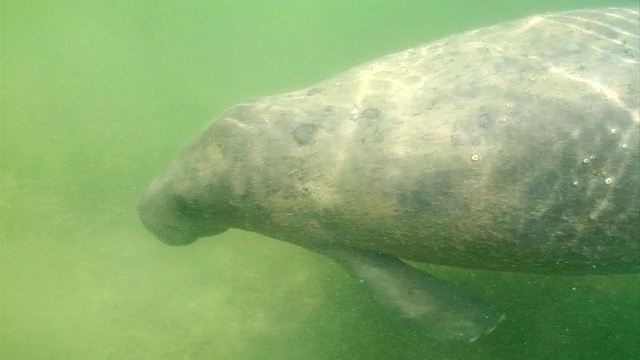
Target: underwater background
x: 97, y: 96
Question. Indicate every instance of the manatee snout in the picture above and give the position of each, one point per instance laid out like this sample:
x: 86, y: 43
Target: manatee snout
x: 173, y: 218
x: 157, y: 213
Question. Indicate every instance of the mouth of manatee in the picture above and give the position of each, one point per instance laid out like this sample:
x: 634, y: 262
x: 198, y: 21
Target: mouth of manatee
x: 513, y: 147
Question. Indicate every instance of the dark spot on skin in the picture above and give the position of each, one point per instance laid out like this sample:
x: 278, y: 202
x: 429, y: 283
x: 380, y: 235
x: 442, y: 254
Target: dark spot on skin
x: 371, y: 126
x: 303, y: 134
x: 433, y: 194
x: 371, y: 113
x: 484, y: 120
x: 314, y: 91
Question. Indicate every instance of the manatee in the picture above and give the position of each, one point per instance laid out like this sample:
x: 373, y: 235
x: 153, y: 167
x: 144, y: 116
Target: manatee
x: 513, y: 147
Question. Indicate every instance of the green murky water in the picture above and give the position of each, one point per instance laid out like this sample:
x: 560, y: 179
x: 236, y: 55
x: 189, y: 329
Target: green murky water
x: 96, y: 96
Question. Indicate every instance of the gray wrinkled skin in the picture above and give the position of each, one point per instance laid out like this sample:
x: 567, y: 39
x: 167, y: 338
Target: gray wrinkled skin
x: 513, y: 147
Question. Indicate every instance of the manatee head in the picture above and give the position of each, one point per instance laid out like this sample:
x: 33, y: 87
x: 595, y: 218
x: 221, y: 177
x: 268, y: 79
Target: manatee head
x: 174, y: 217
x: 228, y: 177
x: 191, y: 198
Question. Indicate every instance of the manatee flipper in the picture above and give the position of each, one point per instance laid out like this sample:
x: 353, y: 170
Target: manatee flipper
x: 441, y: 309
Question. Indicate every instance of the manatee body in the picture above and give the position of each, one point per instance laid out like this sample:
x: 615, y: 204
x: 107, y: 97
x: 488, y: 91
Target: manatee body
x: 513, y: 147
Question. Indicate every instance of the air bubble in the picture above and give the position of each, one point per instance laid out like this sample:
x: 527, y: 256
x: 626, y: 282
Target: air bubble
x: 502, y: 119
x: 586, y: 160
x: 614, y: 130
x: 509, y: 105
x: 608, y: 181
x: 475, y: 157
x: 575, y: 183
x: 624, y: 146
x: 337, y: 83
x: 532, y: 77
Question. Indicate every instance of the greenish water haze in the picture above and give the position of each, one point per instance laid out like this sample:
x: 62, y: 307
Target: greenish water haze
x: 96, y: 96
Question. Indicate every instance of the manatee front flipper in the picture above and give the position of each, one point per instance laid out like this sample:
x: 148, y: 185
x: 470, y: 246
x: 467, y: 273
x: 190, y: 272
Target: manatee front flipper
x: 441, y: 309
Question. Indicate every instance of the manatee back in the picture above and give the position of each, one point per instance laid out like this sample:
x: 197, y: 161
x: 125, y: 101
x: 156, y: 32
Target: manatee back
x: 512, y: 147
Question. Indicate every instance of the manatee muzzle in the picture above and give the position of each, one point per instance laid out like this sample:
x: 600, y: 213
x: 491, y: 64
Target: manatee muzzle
x: 173, y: 219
